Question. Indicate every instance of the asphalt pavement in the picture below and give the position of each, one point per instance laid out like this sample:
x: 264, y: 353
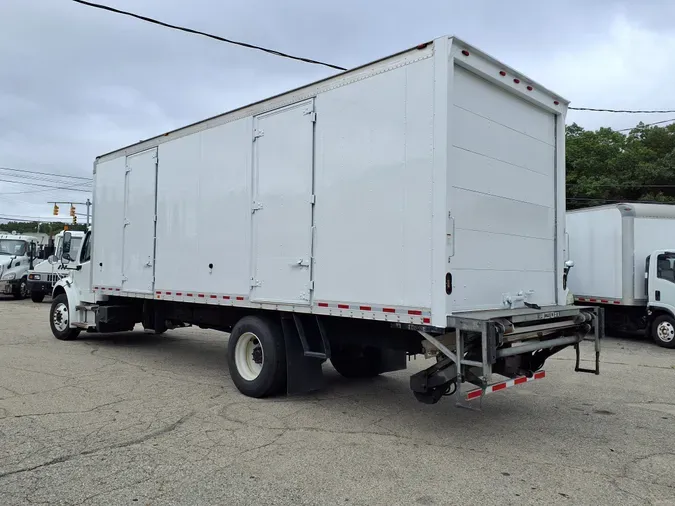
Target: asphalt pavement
x: 136, y: 418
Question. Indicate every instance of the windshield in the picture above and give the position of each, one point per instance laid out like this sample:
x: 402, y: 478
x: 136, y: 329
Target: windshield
x: 12, y: 247
x: 74, y: 247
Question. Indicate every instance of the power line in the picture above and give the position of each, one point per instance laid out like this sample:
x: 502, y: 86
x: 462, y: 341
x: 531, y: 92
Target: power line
x: 45, y: 173
x: 627, y: 111
x: 216, y: 37
x: 46, y: 186
x: 48, y: 180
x: 31, y: 219
x: 648, y: 124
x: 626, y: 185
x: 583, y: 199
x: 308, y: 60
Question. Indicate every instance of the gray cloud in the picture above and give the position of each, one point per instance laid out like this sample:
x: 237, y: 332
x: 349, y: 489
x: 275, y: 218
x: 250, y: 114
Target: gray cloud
x: 76, y: 82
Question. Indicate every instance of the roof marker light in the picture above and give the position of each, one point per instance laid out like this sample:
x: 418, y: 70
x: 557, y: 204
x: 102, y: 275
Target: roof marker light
x: 502, y: 73
x: 465, y: 52
x: 516, y: 80
x: 529, y: 88
x: 555, y: 102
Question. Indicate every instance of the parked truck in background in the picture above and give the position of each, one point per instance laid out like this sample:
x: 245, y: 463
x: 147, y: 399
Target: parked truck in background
x: 624, y: 261
x: 43, y: 277
x: 17, y: 254
x: 357, y: 220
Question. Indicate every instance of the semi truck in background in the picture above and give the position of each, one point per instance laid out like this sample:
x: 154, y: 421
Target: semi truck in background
x: 43, y: 277
x: 358, y: 219
x: 17, y: 255
x: 624, y: 262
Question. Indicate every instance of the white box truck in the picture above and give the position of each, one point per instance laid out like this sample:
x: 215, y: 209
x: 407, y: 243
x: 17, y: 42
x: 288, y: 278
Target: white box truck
x: 412, y: 205
x: 624, y: 257
x: 44, y: 276
x: 17, y: 254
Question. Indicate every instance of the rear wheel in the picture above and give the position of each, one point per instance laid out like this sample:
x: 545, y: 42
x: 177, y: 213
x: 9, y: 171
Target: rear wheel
x: 256, y: 357
x: 37, y: 296
x: 59, y: 319
x: 663, y: 331
x: 357, y: 361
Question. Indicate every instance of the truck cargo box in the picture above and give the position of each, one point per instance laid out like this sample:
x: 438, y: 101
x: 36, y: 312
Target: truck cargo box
x: 414, y: 188
x: 610, y: 245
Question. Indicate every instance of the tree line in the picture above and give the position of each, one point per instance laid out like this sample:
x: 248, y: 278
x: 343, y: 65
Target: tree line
x: 606, y: 166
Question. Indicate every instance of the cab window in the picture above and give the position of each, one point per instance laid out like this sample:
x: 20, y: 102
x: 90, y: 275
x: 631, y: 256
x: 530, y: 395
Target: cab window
x: 86, y: 249
x: 664, y: 267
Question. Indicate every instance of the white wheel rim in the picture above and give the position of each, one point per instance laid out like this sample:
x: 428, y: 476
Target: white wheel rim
x: 249, y: 356
x: 60, y: 317
x: 666, y: 332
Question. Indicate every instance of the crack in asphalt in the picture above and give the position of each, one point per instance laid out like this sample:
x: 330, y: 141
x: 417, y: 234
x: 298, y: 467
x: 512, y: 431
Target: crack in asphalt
x: 124, y: 444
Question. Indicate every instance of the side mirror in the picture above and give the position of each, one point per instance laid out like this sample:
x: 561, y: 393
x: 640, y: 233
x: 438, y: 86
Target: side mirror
x: 31, y: 255
x: 67, y: 243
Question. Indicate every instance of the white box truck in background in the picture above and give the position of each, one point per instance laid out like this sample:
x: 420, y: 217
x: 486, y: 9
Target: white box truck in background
x: 624, y: 256
x: 17, y: 254
x: 44, y: 276
x: 412, y: 205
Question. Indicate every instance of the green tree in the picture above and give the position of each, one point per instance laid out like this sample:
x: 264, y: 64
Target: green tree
x: 605, y: 166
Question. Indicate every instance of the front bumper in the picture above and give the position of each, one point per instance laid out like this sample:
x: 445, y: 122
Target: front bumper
x: 40, y: 286
x: 7, y: 286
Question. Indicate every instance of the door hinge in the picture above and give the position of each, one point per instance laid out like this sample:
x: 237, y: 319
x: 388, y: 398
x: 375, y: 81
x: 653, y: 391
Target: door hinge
x: 311, y: 285
x: 124, y: 278
x: 257, y: 206
x: 127, y: 223
x: 127, y: 169
x: 258, y: 133
x: 255, y: 283
x: 302, y: 262
x: 312, y: 116
x: 312, y: 199
x: 155, y: 220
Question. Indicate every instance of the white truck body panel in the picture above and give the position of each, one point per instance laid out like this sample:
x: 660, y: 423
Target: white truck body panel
x: 353, y: 196
x: 610, y: 245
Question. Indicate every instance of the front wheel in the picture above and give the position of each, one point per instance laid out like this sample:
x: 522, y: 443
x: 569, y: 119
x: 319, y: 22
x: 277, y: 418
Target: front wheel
x: 256, y: 357
x: 663, y: 331
x: 21, y: 291
x: 59, y: 319
x: 37, y: 296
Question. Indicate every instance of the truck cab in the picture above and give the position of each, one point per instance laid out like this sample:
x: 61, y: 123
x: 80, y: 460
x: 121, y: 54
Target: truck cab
x: 17, y: 254
x: 660, y: 292
x: 43, y: 277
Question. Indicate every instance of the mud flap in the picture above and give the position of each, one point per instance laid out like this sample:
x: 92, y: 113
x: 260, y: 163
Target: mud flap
x: 303, y: 374
x: 392, y: 360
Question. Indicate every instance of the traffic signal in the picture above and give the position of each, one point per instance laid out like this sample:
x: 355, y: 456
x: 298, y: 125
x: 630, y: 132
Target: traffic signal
x: 72, y: 210
x: 56, y: 210
x: 74, y: 220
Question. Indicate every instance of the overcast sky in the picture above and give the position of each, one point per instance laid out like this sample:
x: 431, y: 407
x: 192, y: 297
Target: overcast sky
x: 76, y: 82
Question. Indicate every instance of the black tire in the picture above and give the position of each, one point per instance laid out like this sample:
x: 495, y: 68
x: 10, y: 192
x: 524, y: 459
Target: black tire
x: 37, y: 296
x: 21, y: 289
x: 663, y: 331
x: 55, y: 321
x: 357, y: 361
x: 271, y: 379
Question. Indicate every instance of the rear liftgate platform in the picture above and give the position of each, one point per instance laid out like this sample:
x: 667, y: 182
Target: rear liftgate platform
x: 513, y: 343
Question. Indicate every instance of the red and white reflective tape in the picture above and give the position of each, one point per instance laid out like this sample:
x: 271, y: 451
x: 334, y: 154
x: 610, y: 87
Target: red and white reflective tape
x: 496, y: 387
x: 425, y: 315
x: 213, y: 297
x: 597, y: 300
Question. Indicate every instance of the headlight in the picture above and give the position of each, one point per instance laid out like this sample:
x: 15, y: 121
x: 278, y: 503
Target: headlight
x: 11, y: 275
x: 34, y: 277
